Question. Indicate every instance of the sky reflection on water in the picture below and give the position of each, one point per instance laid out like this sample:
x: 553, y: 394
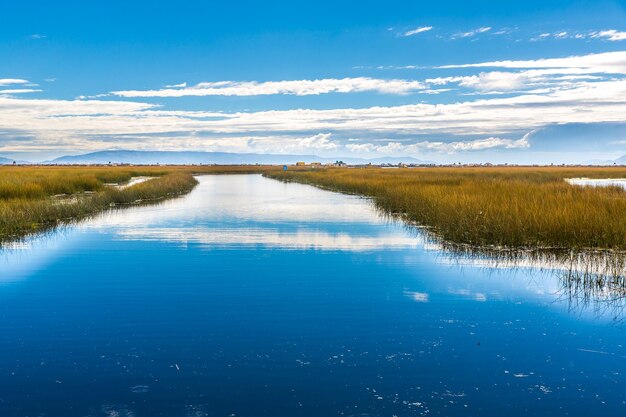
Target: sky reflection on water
x: 593, y: 182
x: 251, y: 297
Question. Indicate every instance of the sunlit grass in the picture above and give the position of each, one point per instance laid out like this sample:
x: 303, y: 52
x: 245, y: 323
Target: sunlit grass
x: 504, y: 207
x: 34, y: 199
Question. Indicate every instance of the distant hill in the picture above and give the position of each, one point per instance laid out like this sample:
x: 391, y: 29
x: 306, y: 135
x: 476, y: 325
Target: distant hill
x: 221, y: 158
x: 621, y: 160
x: 8, y: 161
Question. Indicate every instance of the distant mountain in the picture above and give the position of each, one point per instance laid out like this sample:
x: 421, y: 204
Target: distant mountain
x: 8, y: 161
x: 220, y: 158
x: 621, y: 160
x: 597, y: 162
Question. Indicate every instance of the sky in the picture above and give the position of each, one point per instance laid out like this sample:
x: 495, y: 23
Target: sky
x: 446, y: 81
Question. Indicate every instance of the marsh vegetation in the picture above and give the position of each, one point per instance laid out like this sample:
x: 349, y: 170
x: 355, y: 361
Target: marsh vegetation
x: 34, y: 199
x: 512, y: 207
x: 515, y: 215
x: 513, y: 218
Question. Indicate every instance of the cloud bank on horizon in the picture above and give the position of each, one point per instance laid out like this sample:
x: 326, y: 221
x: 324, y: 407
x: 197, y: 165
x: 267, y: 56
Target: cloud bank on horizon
x: 461, y: 91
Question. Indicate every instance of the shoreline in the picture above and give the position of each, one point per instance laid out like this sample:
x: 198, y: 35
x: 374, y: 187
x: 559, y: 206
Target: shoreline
x: 29, y: 217
x: 489, y: 209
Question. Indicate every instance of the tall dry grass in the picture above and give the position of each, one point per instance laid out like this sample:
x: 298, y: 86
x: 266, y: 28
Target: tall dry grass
x: 20, y: 216
x: 43, y: 181
x: 35, y: 198
x: 504, y: 207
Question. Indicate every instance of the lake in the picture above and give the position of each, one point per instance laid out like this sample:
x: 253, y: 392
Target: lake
x: 252, y: 297
x: 593, y: 182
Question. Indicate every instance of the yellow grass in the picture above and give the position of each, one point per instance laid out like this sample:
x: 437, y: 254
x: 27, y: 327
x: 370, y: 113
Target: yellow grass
x: 505, y: 207
x: 33, y: 199
x: 530, y: 207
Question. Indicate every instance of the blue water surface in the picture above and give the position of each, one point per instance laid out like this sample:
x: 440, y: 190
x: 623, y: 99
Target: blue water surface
x: 250, y: 297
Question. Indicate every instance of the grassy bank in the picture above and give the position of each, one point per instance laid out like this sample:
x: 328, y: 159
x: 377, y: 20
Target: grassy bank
x: 516, y: 207
x: 34, y: 199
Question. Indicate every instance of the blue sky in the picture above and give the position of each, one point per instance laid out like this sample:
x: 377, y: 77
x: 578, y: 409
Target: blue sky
x: 445, y: 81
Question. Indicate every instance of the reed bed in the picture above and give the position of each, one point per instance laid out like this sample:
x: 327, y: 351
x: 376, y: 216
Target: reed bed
x: 501, y: 207
x: 36, y: 198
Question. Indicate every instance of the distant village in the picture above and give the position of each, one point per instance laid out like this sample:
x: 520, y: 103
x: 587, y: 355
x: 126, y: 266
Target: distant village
x: 313, y: 165
x: 421, y: 165
x: 316, y: 165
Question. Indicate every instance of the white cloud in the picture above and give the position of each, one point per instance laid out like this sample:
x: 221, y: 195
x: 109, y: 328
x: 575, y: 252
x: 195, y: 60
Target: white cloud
x: 292, y: 144
x: 19, y: 91
x: 397, y: 148
x: 471, y: 33
x: 544, y: 92
x: 612, y: 35
x: 296, y: 87
x: 538, y: 81
x: 97, y: 124
x: 607, y: 62
x: 506, y: 31
x: 487, y: 81
x: 417, y: 30
x: 11, y: 81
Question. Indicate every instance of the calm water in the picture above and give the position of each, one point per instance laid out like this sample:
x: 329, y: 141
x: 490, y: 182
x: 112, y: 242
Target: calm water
x: 589, y: 182
x: 251, y: 297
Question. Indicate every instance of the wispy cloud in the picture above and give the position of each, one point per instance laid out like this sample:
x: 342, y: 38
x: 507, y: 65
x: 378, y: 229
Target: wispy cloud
x: 611, y: 35
x: 487, y: 81
x: 295, y: 87
x: 12, y: 81
x: 439, y: 146
x: 540, y: 76
x: 36, y: 36
x: 608, y: 62
x: 19, y: 91
x: 471, y: 33
x: 505, y: 31
x: 536, y: 81
x: 416, y: 31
